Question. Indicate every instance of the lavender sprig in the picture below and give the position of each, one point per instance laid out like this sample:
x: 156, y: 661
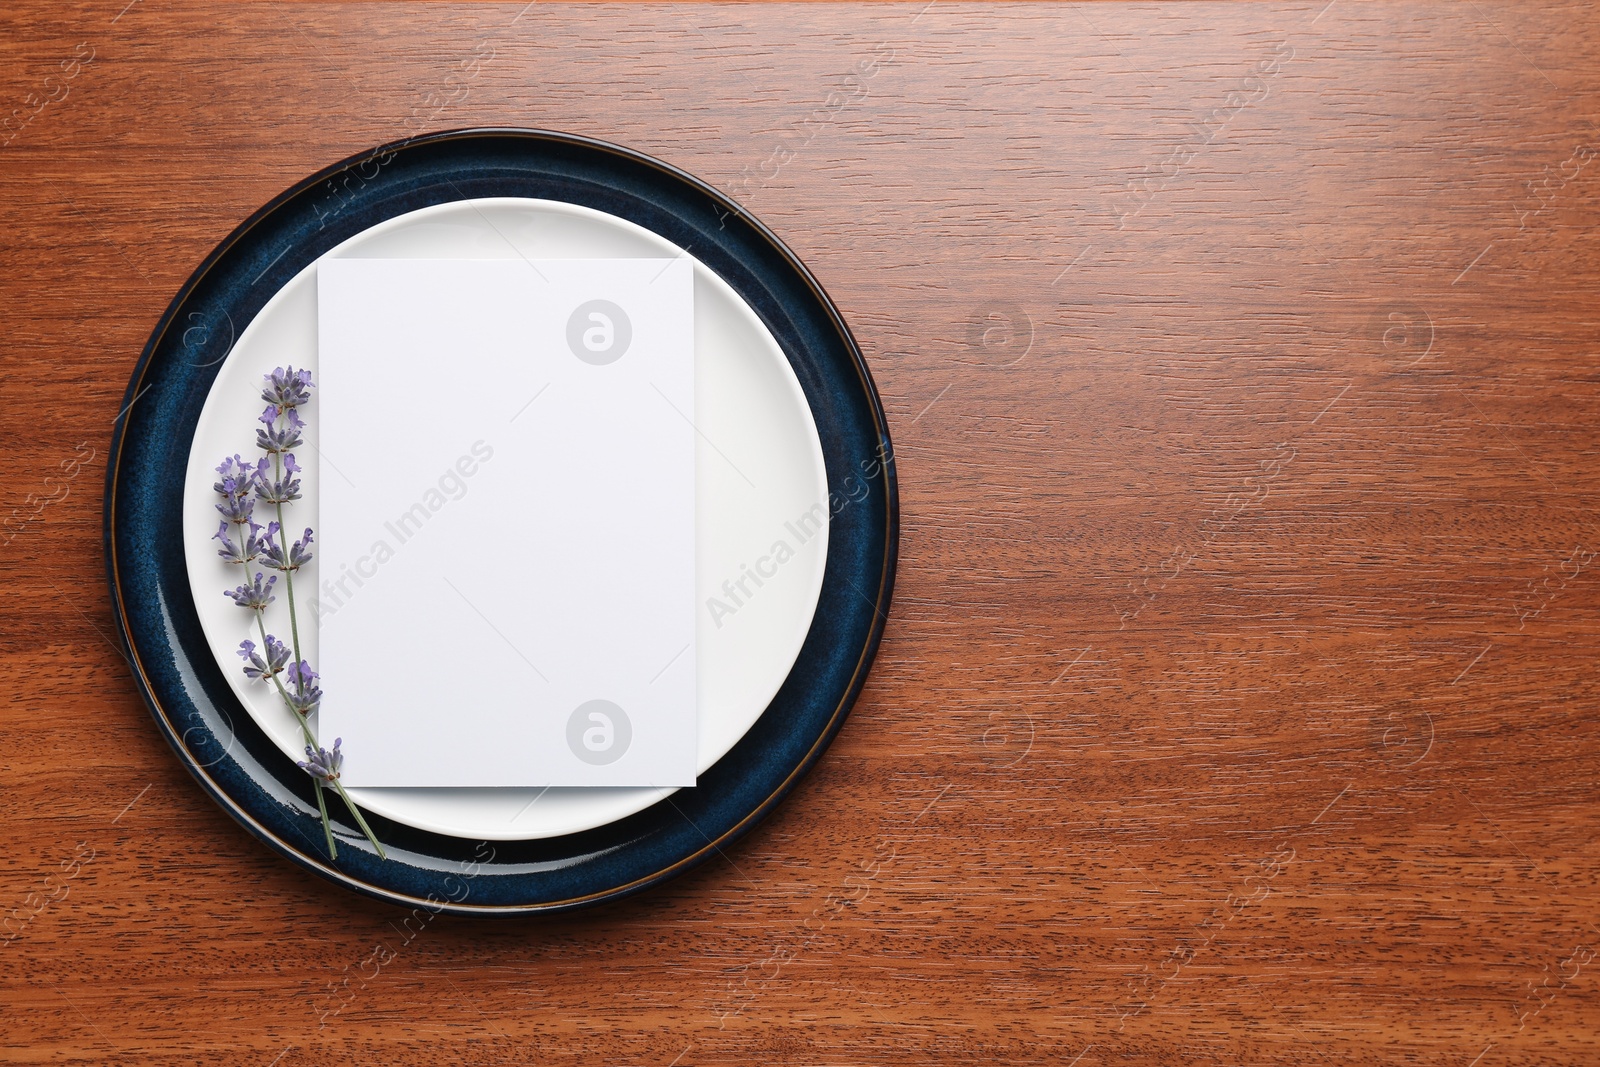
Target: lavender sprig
x: 274, y: 481
x: 287, y: 388
x: 280, y: 487
x: 249, y: 547
x: 274, y: 439
x: 256, y: 666
x: 254, y: 594
x: 236, y: 478
x: 274, y: 555
x: 323, y: 764
x: 236, y: 482
x: 306, y: 696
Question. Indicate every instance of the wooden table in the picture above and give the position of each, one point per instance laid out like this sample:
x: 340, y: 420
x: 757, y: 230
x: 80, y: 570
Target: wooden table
x: 1238, y: 704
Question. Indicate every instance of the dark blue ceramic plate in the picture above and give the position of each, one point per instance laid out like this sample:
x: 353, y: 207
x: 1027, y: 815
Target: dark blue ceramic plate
x: 191, y: 701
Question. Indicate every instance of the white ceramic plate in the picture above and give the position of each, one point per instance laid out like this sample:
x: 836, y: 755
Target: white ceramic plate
x: 758, y: 467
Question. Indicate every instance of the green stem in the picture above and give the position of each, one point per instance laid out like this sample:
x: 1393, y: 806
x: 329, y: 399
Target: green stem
x: 327, y: 826
x: 261, y: 628
x: 362, y: 822
x: 288, y: 575
x: 305, y: 729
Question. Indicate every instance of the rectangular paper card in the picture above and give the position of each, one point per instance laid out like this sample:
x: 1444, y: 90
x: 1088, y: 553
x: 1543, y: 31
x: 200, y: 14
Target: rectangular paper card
x: 506, y: 496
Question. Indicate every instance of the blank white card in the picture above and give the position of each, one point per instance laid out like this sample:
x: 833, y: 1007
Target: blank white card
x: 506, y: 497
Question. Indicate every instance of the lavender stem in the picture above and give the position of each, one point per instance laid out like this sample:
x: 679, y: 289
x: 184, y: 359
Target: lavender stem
x: 288, y: 575
x: 327, y: 826
x: 305, y: 728
x: 362, y: 822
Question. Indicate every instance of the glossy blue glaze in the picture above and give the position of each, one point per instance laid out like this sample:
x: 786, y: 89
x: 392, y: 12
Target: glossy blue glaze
x: 191, y: 701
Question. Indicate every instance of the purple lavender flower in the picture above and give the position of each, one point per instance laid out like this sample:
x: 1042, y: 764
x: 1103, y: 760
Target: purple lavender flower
x: 230, y: 550
x: 236, y: 479
x: 300, y: 551
x: 254, y: 595
x: 306, y: 696
x: 322, y: 764
x: 257, y: 667
x: 292, y: 559
x: 270, y: 437
x: 235, y: 475
x: 287, y: 388
x: 237, y: 509
x: 283, y: 488
x: 274, y: 556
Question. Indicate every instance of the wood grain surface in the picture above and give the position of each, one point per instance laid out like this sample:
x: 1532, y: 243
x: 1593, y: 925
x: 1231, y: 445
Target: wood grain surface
x: 1238, y: 704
